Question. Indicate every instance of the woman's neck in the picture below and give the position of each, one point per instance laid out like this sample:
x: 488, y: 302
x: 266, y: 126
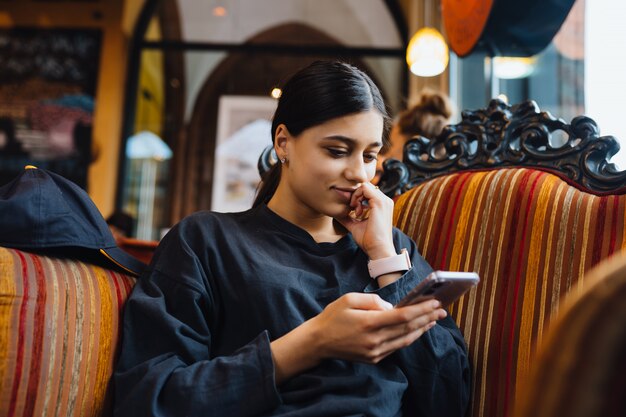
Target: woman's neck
x: 322, y: 228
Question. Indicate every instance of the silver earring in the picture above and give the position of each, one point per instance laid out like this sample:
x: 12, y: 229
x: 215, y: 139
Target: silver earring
x: 283, y: 160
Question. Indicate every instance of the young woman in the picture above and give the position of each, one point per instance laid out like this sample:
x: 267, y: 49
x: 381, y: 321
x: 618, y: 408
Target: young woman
x: 273, y: 311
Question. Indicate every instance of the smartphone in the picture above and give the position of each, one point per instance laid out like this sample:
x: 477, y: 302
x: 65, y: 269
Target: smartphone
x: 445, y: 286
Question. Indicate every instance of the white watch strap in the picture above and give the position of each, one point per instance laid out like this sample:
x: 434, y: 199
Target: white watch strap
x: 396, y: 263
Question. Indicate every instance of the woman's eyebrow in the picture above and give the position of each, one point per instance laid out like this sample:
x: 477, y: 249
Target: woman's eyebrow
x: 351, y: 142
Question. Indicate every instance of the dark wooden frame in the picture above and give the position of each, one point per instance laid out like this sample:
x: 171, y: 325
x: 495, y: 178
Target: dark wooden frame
x: 503, y: 135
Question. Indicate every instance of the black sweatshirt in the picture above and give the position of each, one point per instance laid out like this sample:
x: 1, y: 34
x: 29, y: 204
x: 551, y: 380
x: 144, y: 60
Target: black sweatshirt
x: 198, y: 325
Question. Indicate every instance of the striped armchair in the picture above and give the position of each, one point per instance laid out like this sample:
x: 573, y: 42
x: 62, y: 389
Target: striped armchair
x: 494, y: 194
x: 59, y: 335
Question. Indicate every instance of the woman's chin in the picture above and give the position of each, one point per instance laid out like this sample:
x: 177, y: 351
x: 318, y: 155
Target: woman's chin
x: 334, y: 209
x: 339, y: 211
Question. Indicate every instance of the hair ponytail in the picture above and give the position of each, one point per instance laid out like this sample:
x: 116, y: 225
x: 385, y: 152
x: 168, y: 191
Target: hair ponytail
x: 268, y: 185
x: 426, y: 118
x: 436, y: 103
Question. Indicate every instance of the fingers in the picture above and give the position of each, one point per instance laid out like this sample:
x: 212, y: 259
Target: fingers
x: 402, y: 341
x: 394, y: 321
x: 366, y: 192
x: 360, y: 205
x: 360, y: 212
x: 386, y: 346
x: 361, y: 301
x: 366, y: 198
x: 397, y: 322
x: 403, y: 315
x: 408, y: 327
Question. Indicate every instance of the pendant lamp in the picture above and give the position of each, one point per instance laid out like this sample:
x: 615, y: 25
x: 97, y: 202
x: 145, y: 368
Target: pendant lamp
x: 427, y: 53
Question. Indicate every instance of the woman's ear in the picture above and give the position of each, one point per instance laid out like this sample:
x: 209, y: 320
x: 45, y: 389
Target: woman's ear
x: 281, y: 137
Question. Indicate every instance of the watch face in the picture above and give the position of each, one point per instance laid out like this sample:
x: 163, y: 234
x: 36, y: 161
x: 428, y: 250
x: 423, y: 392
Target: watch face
x: 465, y: 21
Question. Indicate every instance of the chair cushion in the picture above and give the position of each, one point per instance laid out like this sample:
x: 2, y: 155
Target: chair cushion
x: 531, y: 236
x: 59, y: 333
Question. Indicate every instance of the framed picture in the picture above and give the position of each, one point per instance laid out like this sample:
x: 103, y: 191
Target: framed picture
x: 48, y: 80
x: 243, y: 131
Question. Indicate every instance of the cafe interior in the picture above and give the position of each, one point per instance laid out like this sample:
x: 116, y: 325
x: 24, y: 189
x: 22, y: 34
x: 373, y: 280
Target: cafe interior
x: 158, y: 109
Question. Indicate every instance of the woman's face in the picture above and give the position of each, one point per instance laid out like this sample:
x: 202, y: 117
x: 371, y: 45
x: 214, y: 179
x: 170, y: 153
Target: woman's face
x: 326, y: 163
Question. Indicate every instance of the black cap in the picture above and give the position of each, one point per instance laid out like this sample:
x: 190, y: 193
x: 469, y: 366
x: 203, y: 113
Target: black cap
x: 40, y: 209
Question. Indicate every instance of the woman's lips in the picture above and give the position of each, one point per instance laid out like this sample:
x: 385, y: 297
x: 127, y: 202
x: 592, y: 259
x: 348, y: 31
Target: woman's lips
x: 344, y: 193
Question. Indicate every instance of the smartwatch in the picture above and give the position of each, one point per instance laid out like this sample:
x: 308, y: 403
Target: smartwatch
x: 396, y: 263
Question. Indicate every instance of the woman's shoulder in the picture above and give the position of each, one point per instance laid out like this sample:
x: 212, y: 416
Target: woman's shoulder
x: 195, y: 236
x: 212, y: 216
x: 201, y: 229
x: 205, y: 220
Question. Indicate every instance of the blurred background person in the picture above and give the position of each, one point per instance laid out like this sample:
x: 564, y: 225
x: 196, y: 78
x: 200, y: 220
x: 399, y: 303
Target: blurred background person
x: 427, y: 118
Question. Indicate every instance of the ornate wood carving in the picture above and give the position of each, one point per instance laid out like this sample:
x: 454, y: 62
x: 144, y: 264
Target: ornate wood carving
x: 511, y: 136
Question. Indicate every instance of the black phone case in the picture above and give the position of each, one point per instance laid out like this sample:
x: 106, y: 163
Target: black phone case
x: 445, y: 286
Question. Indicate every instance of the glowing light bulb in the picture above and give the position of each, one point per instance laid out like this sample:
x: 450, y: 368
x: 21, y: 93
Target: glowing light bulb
x: 276, y: 93
x: 427, y: 54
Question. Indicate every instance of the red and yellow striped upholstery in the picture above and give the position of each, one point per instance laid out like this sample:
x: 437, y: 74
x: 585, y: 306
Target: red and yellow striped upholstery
x: 59, y: 333
x: 531, y: 236
x: 580, y: 369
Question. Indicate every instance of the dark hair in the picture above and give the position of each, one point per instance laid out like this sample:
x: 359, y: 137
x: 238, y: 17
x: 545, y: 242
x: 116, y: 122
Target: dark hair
x: 316, y: 94
x: 428, y: 117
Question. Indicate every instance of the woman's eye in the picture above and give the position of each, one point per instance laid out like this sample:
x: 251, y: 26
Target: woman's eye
x: 369, y: 157
x: 336, y: 152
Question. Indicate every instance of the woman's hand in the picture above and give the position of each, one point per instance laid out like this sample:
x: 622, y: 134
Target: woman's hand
x: 355, y: 327
x: 371, y: 224
x: 365, y: 328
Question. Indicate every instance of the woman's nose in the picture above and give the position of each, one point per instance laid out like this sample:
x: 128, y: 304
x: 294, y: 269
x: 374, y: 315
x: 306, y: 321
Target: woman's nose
x: 357, y: 171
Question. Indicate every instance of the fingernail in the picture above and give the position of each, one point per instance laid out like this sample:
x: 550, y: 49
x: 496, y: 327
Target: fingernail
x: 436, y: 304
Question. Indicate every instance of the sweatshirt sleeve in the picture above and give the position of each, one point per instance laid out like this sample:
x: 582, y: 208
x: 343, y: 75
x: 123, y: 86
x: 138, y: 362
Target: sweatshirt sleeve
x: 166, y: 367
